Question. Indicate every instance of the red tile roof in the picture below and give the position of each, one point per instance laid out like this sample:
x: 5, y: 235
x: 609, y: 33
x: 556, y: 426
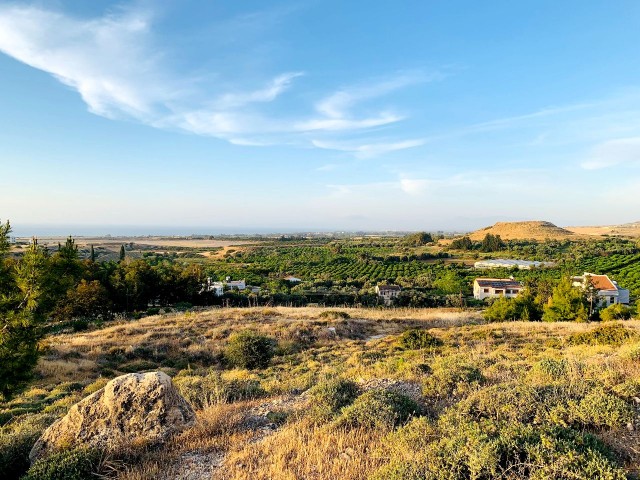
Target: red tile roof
x: 602, y: 282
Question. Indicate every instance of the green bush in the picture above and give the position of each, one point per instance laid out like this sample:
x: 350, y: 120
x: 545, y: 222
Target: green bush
x: 450, y: 377
x: 248, y: 349
x: 334, y: 315
x: 601, y: 409
x: 76, y: 464
x: 329, y: 397
x: 482, y: 450
x: 379, y: 409
x: 16, y: 440
x: 615, y: 334
x: 616, y: 311
x: 556, y: 369
x: 416, y: 339
x: 212, y: 389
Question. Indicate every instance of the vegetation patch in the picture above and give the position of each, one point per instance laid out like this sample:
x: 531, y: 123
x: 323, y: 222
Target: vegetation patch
x: 379, y: 409
x: 416, y: 339
x: 615, y: 334
x: 249, y: 349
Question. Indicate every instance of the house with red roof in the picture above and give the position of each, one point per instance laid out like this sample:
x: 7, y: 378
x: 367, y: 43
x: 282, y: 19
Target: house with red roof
x: 609, y: 292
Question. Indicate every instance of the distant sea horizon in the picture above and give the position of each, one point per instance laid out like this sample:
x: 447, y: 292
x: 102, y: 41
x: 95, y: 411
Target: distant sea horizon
x: 27, y: 231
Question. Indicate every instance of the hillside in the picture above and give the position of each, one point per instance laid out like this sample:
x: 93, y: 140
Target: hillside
x: 358, y: 399
x: 536, y: 230
x: 625, y: 230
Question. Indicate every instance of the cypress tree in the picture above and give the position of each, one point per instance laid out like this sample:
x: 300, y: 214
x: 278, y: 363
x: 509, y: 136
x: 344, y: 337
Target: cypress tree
x: 93, y: 254
x: 122, y: 253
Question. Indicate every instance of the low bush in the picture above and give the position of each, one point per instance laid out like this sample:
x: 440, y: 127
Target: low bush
x: 451, y: 377
x: 416, y: 339
x: 249, y: 349
x: 616, y: 311
x: 379, y: 409
x: 483, y: 450
x: 329, y: 397
x: 614, y: 334
x: 600, y: 409
x: 16, y: 440
x: 556, y: 369
x: 76, y: 464
x: 334, y: 315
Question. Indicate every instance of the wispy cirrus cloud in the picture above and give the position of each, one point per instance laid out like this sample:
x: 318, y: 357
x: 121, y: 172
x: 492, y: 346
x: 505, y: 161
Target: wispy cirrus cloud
x: 614, y: 152
x: 116, y: 64
x: 369, y: 150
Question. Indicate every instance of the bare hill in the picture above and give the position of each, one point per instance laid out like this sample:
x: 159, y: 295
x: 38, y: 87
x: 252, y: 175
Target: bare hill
x: 536, y: 230
x: 626, y: 230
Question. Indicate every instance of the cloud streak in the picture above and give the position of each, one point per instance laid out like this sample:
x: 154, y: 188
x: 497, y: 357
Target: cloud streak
x: 114, y: 64
x: 369, y: 150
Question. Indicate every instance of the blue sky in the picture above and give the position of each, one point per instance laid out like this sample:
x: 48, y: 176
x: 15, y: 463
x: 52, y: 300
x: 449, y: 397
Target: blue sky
x: 318, y: 114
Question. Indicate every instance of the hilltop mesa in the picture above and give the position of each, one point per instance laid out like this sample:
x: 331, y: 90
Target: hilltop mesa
x: 535, y: 230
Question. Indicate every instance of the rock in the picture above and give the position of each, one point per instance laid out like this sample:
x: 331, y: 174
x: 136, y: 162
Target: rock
x: 137, y: 408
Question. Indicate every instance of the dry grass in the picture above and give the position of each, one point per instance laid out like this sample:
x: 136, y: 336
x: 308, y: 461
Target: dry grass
x: 306, y: 451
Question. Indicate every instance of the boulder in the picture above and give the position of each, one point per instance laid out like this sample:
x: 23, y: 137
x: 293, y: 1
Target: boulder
x: 137, y: 408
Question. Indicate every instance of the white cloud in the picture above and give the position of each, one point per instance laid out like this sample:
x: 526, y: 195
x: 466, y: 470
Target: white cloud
x: 115, y: 65
x: 414, y: 186
x: 614, y: 152
x: 369, y: 150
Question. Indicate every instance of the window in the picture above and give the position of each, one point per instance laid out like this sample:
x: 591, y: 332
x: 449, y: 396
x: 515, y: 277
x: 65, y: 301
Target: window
x: 486, y: 290
x: 612, y: 300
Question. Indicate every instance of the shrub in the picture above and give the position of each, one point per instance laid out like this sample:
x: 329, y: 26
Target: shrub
x: 76, y: 464
x: 153, y: 311
x: 334, y: 315
x: 331, y: 396
x: 212, y: 389
x: 616, y: 311
x: 248, y: 349
x: 416, y: 339
x: 556, y: 369
x: 615, y: 334
x: 482, y: 450
x: 183, y: 306
x: 379, y: 409
x: 16, y: 441
x: 601, y: 409
x: 450, y: 377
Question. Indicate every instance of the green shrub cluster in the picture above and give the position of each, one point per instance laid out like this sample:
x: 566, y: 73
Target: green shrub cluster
x: 16, y: 440
x: 614, y: 334
x: 451, y: 377
x: 76, y: 464
x: 249, y: 349
x: 334, y: 315
x: 329, y: 397
x: 379, y: 408
x: 417, y: 338
x: 616, y: 311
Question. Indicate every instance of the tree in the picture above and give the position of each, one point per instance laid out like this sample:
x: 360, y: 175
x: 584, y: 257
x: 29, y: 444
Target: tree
x: 450, y: 283
x: 524, y: 307
x: 492, y: 243
x: 88, y: 300
x: 19, y: 351
x: 92, y: 256
x: 418, y: 239
x: 122, y: 253
x: 31, y: 277
x: 463, y: 243
x: 567, y: 303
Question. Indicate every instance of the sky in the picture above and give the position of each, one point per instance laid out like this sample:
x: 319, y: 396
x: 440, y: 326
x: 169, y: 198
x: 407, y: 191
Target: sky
x: 197, y: 116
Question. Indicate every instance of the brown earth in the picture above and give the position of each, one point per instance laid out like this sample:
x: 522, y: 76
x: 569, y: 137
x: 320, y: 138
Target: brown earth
x: 626, y: 230
x: 535, y: 230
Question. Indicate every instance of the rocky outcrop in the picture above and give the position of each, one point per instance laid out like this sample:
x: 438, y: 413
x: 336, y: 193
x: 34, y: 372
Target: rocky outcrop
x: 137, y: 408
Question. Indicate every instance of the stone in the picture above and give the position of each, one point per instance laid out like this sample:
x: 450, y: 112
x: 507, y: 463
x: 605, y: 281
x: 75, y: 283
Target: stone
x: 133, y: 409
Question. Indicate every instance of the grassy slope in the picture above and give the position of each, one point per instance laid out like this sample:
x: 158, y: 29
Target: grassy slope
x: 365, y: 348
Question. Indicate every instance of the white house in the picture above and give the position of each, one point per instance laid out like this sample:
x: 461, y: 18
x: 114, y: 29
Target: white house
x: 388, y: 292
x: 216, y: 287
x: 496, y: 287
x: 609, y: 292
x: 236, y: 284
